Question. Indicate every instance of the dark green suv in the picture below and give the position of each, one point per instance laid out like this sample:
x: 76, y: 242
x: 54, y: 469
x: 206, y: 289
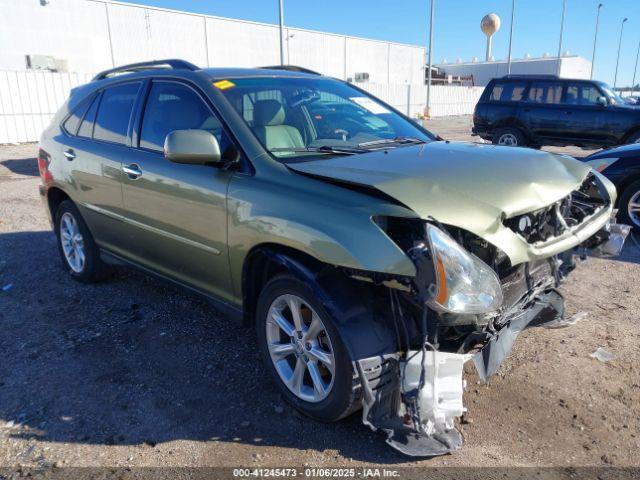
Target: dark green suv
x: 372, y: 259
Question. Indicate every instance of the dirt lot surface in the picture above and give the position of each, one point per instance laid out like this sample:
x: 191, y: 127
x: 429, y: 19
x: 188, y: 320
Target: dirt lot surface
x: 132, y: 372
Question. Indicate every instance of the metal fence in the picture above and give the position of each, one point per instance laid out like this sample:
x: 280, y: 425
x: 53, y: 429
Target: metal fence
x: 29, y: 99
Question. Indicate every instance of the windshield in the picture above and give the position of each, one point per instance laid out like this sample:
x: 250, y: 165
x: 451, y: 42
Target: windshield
x: 297, y: 119
x: 614, y: 98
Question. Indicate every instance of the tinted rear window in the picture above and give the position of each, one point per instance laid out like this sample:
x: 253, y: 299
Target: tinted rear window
x: 114, y: 112
x: 71, y: 124
x: 545, y: 92
x: 86, y: 128
x: 507, y: 91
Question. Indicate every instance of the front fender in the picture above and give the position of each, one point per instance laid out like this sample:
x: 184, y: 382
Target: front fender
x: 332, y: 230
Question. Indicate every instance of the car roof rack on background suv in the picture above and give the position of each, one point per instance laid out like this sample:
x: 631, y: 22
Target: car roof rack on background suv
x: 539, y: 76
x: 173, y: 63
x: 291, y: 68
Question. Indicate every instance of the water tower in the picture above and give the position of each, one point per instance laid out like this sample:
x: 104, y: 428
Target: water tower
x: 489, y: 25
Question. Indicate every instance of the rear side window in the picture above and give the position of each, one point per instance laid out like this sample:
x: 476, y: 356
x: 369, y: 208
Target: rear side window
x: 507, y: 91
x: 86, y: 127
x: 172, y: 106
x: 546, y: 92
x: 112, y: 121
x: 72, y: 123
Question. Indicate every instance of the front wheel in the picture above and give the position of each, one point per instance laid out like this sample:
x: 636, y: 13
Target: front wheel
x: 509, y: 137
x: 303, y: 351
x: 630, y: 205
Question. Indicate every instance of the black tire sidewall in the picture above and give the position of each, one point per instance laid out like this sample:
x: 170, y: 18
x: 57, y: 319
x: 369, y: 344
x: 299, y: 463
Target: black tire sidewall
x: 92, y: 270
x: 339, y: 400
x: 521, y: 139
x: 623, y: 204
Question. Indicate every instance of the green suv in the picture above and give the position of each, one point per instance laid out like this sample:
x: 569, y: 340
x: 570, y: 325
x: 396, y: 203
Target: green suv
x: 372, y: 258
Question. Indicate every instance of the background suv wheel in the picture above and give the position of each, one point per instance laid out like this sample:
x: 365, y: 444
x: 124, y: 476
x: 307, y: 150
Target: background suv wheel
x: 630, y: 205
x: 79, y: 253
x: 509, y: 137
x: 303, y: 351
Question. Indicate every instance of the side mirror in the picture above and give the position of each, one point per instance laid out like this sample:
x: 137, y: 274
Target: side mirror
x: 602, y: 101
x: 195, y: 147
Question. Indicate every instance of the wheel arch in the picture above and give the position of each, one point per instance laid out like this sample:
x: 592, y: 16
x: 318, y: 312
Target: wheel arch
x: 629, y: 133
x: 365, y: 330
x: 55, y: 196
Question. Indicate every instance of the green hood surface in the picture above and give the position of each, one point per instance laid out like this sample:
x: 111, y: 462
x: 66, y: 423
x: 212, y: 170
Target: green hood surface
x: 471, y: 186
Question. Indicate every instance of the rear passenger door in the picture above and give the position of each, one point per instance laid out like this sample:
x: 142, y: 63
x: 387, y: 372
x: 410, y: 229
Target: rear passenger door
x: 176, y: 213
x: 94, y: 150
x: 543, y: 111
x: 504, y: 104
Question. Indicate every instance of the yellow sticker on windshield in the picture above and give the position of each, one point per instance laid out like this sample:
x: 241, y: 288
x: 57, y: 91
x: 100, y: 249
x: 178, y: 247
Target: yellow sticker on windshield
x: 224, y: 84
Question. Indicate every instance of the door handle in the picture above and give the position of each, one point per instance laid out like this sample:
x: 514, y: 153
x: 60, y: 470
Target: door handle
x: 69, y: 153
x: 133, y: 171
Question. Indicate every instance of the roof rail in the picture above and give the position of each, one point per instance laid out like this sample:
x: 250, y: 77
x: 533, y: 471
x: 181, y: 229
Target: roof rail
x: 173, y: 63
x: 291, y: 68
x: 532, y: 75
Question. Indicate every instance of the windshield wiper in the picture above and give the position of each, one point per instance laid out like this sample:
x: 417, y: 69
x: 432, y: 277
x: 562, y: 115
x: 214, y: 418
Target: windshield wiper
x: 326, y: 149
x: 391, y: 141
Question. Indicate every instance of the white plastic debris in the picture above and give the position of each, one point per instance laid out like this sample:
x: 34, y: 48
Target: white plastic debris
x: 7, y: 287
x: 565, y: 322
x: 440, y: 399
x: 602, y: 355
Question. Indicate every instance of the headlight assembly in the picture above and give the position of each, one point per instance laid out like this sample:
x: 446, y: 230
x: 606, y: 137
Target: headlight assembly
x: 463, y: 282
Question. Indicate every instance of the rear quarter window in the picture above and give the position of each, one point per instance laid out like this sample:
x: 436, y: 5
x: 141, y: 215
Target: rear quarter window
x: 507, y: 91
x: 72, y: 122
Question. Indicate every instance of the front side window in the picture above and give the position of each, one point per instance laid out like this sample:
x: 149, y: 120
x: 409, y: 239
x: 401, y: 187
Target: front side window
x: 549, y: 93
x: 114, y: 112
x: 507, y: 91
x: 296, y: 118
x: 172, y: 106
x: 582, y: 94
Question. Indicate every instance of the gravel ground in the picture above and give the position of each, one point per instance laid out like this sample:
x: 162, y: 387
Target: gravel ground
x: 133, y: 372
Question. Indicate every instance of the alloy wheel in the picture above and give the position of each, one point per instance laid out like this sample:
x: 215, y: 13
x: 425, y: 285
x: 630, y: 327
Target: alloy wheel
x: 300, y: 348
x: 633, y: 208
x: 508, y: 140
x: 72, y: 242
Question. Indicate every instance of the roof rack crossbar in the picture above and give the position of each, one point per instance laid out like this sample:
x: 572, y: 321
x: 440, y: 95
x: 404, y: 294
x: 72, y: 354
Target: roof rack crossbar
x: 173, y: 63
x: 291, y: 68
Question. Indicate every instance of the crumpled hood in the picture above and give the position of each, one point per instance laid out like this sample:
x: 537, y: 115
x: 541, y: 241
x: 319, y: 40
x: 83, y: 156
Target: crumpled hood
x: 472, y: 186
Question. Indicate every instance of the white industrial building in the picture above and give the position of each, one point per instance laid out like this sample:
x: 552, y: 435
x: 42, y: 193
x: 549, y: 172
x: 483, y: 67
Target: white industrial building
x: 93, y: 35
x: 571, y: 66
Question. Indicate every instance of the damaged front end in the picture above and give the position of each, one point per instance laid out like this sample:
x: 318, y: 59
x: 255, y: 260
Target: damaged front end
x: 467, y: 301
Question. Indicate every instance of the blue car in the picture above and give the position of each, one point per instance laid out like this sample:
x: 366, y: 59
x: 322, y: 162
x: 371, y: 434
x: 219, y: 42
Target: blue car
x: 621, y: 165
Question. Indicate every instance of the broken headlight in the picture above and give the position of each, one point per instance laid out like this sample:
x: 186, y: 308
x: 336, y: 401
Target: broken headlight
x: 463, y: 282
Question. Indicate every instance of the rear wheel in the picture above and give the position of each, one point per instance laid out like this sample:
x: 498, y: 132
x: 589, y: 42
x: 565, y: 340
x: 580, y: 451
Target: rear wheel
x: 630, y: 205
x: 78, y: 250
x: 303, y: 351
x: 509, y: 137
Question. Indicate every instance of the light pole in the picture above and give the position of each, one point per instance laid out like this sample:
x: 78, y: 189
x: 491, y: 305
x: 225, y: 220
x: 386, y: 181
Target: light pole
x: 635, y: 69
x: 615, y: 78
x: 513, y: 10
x: 428, y: 112
x: 595, y: 40
x: 281, y: 33
x: 564, y: 8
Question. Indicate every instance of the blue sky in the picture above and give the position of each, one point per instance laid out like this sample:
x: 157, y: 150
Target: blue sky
x: 457, y: 28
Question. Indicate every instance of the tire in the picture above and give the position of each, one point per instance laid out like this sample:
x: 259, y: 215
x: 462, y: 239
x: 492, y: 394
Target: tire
x: 343, y: 386
x: 82, y: 260
x: 509, y: 137
x: 630, y: 196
